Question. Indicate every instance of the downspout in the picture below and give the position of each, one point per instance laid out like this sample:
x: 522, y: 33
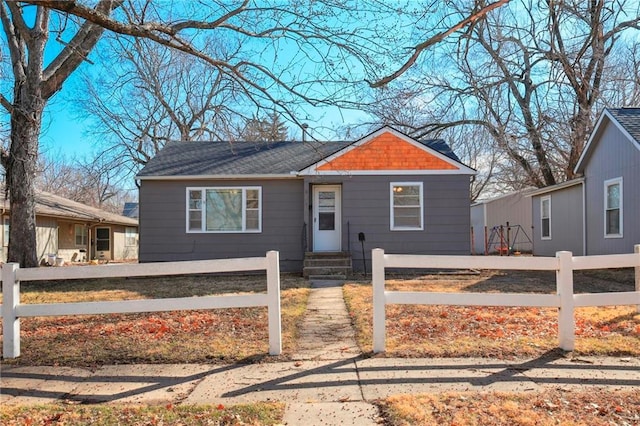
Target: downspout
x: 584, y: 219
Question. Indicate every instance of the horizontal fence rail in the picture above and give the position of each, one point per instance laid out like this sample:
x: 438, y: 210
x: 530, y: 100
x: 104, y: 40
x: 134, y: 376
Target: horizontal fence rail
x: 565, y: 300
x: 12, y: 310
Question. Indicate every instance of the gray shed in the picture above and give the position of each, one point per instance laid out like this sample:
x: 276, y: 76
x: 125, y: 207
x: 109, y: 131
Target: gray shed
x: 204, y: 200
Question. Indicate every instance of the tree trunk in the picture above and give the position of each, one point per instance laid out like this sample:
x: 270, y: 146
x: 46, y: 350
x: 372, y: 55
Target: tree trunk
x: 26, y: 121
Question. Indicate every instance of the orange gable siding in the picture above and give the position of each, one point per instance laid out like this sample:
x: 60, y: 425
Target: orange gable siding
x: 387, y: 152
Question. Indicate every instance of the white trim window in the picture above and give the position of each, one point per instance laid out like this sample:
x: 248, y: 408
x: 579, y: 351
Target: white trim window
x: 224, y: 209
x: 80, y: 232
x: 130, y: 236
x: 613, y: 208
x: 545, y: 217
x: 406, y: 206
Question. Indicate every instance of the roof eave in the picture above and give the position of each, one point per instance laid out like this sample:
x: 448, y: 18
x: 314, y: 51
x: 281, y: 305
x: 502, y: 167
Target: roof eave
x: 557, y: 187
x: 291, y: 175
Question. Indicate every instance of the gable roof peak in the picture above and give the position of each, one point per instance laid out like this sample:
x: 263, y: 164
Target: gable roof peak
x: 625, y: 119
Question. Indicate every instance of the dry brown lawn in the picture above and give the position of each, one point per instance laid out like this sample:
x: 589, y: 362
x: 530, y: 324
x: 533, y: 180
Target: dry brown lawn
x: 459, y: 331
x: 256, y: 414
x: 222, y: 335
x: 515, y: 409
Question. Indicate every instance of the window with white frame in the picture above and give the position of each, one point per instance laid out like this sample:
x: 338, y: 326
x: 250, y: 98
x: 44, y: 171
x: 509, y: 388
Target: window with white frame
x: 224, y: 209
x: 545, y: 217
x: 406, y: 206
x: 81, y: 235
x: 613, y: 208
x: 130, y: 236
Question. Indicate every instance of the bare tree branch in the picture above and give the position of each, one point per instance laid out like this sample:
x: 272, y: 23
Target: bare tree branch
x: 418, y: 49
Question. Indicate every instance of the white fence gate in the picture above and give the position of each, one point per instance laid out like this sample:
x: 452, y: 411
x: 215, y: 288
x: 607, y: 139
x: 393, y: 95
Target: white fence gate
x: 12, y: 310
x: 564, y: 264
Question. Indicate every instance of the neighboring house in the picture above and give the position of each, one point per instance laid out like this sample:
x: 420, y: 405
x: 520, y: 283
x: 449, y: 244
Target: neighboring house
x: 509, y: 214
x: 597, y: 214
x: 73, y: 231
x: 204, y: 200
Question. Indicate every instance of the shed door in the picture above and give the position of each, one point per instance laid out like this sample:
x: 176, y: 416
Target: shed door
x: 327, y: 218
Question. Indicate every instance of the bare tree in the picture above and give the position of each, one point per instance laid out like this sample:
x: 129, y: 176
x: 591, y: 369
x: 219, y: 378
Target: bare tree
x: 156, y: 95
x: 323, y: 53
x: 95, y: 181
x: 268, y: 128
x: 409, y: 112
x: 533, y: 75
x: 79, y: 27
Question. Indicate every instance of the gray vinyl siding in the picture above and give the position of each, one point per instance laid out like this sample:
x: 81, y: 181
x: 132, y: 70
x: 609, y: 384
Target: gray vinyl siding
x: 366, y: 208
x: 163, y: 235
x: 614, y: 156
x: 566, y: 222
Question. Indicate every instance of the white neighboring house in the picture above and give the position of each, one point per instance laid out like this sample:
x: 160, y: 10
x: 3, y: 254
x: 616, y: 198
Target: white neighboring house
x: 70, y: 231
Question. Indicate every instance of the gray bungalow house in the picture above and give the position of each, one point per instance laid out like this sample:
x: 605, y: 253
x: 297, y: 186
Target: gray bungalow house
x: 205, y: 200
x: 597, y: 213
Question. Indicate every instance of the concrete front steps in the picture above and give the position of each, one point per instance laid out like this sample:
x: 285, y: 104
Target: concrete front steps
x: 327, y: 265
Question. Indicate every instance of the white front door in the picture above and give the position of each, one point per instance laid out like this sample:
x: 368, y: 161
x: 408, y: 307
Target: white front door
x: 327, y: 217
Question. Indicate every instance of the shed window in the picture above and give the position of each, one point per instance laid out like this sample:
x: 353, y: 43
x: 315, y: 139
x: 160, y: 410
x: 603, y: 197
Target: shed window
x: 613, y: 208
x: 224, y: 209
x: 81, y: 235
x: 406, y: 206
x: 545, y: 218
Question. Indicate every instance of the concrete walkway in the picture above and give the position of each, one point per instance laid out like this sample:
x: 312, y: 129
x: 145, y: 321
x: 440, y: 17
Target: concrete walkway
x: 328, y: 383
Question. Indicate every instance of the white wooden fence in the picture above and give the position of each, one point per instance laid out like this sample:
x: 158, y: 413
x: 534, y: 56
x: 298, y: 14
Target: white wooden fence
x: 564, y: 264
x: 12, y: 310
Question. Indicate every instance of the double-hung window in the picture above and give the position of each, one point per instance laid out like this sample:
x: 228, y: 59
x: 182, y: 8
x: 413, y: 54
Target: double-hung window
x: 406, y: 206
x: 545, y: 217
x: 224, y: 209
x: 81, y: 235
x: 613, y: 208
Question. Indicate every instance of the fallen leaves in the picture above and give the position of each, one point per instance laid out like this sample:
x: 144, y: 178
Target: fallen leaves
x: 604, y: 407
x: 501, y: 332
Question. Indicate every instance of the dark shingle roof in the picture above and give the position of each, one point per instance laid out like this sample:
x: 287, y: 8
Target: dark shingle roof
x: 237, y: 158
x: 442, y: 147
x: 629, y: 118
x: 249, y: 158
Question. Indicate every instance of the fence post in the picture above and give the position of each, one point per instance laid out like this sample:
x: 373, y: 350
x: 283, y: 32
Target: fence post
x: 273, y: 304
x: 10, y: 321
x: 564, y: 284
x: 636, y: 249
x: 377, y: 281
